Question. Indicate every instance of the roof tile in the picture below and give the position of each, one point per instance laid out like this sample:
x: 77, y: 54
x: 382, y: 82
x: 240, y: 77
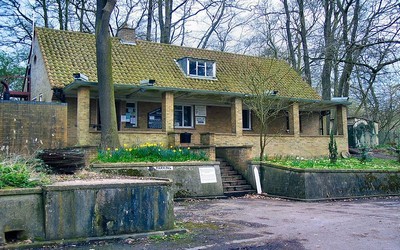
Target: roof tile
x: 67, y: 52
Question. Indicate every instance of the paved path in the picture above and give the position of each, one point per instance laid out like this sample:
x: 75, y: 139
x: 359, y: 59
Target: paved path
x: 266, y: 223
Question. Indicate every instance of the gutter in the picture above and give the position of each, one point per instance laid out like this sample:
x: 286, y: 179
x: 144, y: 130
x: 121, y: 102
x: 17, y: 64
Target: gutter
x: 78, y: 83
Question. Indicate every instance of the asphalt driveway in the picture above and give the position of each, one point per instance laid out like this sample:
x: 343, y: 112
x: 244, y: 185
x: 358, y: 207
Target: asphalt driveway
x: 258, y: 222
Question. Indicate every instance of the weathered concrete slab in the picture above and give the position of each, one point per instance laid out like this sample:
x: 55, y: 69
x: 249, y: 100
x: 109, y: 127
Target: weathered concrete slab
x: 190, y: 179
x: 21, y: 214
x: 107, y: 207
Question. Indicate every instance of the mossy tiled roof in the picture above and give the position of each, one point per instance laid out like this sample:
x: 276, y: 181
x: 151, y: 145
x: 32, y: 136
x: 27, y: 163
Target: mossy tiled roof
x: 68, y: 52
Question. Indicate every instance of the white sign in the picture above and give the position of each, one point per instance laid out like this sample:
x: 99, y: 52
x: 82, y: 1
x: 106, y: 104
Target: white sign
x: 200, y: 111
x: 200, y: 120
x: 207, y: 175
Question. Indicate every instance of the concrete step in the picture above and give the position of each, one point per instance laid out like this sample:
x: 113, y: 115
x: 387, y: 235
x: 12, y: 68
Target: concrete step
x: 237, y: 188
x: 234, y: 182
x: 232, y: 177
x: 239, y: 193
x: 229, y: 172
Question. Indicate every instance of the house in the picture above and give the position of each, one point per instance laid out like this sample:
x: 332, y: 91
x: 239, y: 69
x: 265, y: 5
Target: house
x: 177, y: 95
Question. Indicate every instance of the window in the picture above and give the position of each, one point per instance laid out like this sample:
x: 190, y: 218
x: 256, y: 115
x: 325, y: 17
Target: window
x: 246, y: 118
x: 183, y: 116
x: 131, y: 115
x: 197, y: 67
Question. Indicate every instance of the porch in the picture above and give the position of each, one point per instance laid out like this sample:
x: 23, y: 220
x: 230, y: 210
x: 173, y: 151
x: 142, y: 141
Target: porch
x: 147, y: 114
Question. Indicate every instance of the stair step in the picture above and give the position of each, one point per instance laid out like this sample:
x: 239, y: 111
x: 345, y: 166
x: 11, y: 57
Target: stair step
x: 234, y: 182
x: 238, y: 188
x: 231, y: 177
x: 229, y: 172
x: 239, y: 193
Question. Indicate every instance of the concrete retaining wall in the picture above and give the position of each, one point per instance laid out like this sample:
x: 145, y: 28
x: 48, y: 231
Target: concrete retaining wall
x: 190, y: 179
x: 327, y: 184
x: 81, y: 209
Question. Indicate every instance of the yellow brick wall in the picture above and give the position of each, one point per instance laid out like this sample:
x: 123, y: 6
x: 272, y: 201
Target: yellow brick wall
x: 71, y: 121
x: 305, y: 146
x: 29, y: 126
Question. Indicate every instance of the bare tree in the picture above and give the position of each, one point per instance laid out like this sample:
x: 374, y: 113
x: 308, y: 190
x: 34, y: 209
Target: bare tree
x: 262, y: 82
x: 109, y: 131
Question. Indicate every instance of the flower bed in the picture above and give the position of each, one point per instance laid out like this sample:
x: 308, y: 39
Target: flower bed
x: 149, y: 152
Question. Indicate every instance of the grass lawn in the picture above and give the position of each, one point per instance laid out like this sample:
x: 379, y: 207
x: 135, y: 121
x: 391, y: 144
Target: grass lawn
x: 350, y: 163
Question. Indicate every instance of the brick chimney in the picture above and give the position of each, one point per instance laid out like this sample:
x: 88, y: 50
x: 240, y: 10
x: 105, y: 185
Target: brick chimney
x: 127, y: 34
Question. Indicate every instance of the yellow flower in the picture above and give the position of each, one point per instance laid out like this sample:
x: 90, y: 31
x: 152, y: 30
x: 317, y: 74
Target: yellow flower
x: 170, y: 146
x: 108, y: 149
x: 116, y: 149
x: 174, y: 150
x: 188, y: 148
x: 125, y: 145
x: 130, y: 149
x: 180, y: 150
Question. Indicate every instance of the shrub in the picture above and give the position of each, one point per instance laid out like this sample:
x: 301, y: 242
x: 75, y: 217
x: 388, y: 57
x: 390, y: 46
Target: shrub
x: 149, y: 153
x: 20, y: 173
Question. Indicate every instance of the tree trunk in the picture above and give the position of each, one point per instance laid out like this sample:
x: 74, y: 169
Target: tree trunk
x: 328, y: 38
x: 81, y: 16
x: 165, y: 21
x: 45, y: 14
x: 60, y: 15
x: 66, y: 15
x: 149, y: 20
x: 109, y: 132
x: 292, y: 58
x: 303, y: 33
x: 351, y: 53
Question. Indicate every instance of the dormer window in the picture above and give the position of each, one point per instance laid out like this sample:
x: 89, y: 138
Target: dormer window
x: 200, y: 68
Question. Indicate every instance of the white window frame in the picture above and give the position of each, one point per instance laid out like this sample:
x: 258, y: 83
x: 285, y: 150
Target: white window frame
x: 249, y: 119
x: 183, y: 118
x: 197, y: 68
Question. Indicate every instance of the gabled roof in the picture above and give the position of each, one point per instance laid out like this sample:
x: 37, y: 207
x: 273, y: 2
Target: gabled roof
x: 67, y: 52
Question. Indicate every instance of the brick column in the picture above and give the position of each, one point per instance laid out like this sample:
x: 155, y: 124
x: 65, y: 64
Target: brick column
x: 168, y: 111
x: 294, y: 119
x: 83, y: 116
x: 341, y: 114
x: 236, y: 116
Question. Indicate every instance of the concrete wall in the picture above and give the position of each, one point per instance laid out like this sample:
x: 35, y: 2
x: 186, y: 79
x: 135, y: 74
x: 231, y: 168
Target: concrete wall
x: 21, y: 214
x: 107, y: 207
x: 81, y: 209
x: 190, y: 179
x: 29, y: 126
x: 327, y: 184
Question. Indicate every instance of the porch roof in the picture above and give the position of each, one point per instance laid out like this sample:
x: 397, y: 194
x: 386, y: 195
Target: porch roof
x: 66, y: 53
x: 124, y: 91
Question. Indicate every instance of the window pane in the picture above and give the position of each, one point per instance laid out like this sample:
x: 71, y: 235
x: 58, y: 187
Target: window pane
x: 192, y: 68
x: 246, y: 119
x: 210, y: 69
x: 178, y: 118
x: 187, y: 116
x: 201, y: 71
